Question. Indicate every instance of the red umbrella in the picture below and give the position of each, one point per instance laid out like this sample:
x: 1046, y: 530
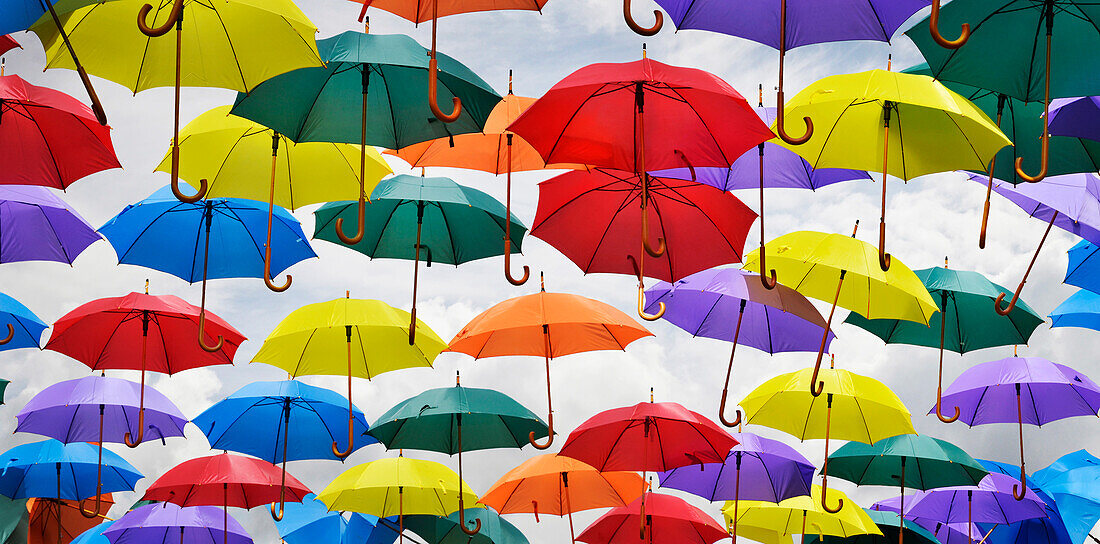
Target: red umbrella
x: 668, y: 518
x: 143, y: 332
x: 48, y: 137
x: 7, y: 43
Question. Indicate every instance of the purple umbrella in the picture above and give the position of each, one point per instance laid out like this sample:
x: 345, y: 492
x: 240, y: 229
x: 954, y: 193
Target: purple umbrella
x: 986, y: 393
x: 772, y: 471
x: 1076, y: 117
x: 1071, y: 202
x: 36, y: 225
x: 946, y: 533
x: 167, y: 523
x: 714, y: 303
x: 991, y: 501
x: 97, y: 409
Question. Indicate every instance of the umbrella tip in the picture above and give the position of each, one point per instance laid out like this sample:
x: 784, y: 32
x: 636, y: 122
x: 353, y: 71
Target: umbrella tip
x: 458, y: 378
x: 347, y: 293
x: 366, y: 24
x: 2, y: 61
x: 509, y: 81
x: 832, y: 361
x: 146, y: 286
x: 760, y: 90
x: 542, y: 282
x: 650, y: 394
x: 945, y: 262
x: 889, y: 61
x: 643, y: 50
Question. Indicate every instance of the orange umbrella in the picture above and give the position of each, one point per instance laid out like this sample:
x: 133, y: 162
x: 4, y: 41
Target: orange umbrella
x: 58, y: 522
x: 494, y: 150
x: 546, y: 325
x: 556, y: 485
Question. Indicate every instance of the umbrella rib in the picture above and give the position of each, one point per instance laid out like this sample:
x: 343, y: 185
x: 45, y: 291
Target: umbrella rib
x: 255, y: 242
x: 393, y: 118
x: 450, y: 233
x: 136, y: 238
x: 225, y: 158
x: 572, y: 116
x: 195, y: 253
x: 385, y: 224
x: 668, y: 254
x: 961, y: 132
x: 49, y: 150
x: 878, y: 19
x: 832, y: 128
x: 56, y: 237
x: 863, y: 417
x: 691, y: 203
x: 709, y: 132
x: 313, y: 103
x: 603, y: 236
x: 302, y: 355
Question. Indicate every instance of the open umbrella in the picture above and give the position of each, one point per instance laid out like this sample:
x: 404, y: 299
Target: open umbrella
x: 167, y: 523
x: 1075, y: 117
x: 454, y: 529
x: 24, y: 328
x: 991, y: 501
x: 310, y: 521
x: 36, y: 225
x: 233, y: 45
x: 1070, y: 483
x: 1081, y: 309
x: 889, y: 523
x: 1052, y: 528
x: 799, y: 514
x: 312, y: 340
x: 454, y: 224
x: 50, y: 520
x: 665, y: 518
x: 546, y: 325
x: 1083, y: 270
x: 94, y: 534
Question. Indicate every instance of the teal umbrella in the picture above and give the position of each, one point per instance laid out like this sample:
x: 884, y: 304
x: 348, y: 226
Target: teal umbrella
x: 407, y: 215
x: 888, y: 523
x: 439, y: 530
x: 971, y: 324
x: 439, y: 419
x: 382, y: 77
x: 3, y: 387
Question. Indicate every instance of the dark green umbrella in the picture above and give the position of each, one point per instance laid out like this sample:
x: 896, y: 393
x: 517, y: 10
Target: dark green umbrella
x: 439, y: 419
x: 970, y: 325
x: 438, y: 530
x: 451, y: 223
x: 908, y: 461
x: 382, y: 77
x: 3, y: 386
x: 888, y: 523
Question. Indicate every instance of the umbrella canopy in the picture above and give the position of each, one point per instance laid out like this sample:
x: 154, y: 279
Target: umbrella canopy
x: 224, y: 480
x: 36, y: 225
x: 1081, y: 309
x: 24, y: 328
x: 890, y: 523
x: 439, y: 530
x: 167, y: 523
x: 664, y: 517
x: 1082, y: 267
x: 310, y: 521
x: 50, y: 521
x: 1070, y: 482
x: 1051, y: 528
x: 397, y: 486
x: 557, y: 485
x: 1075, y: 117
x: 991, y: 501
x: 929, y: 463
x: 62, y: 471
x: 802, y: 515
x: 94, y: 534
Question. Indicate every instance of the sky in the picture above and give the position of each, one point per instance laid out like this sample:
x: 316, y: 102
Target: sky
x: 930, y: 218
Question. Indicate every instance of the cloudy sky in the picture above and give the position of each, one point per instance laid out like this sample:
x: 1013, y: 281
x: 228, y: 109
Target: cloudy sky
x: 931, y: 217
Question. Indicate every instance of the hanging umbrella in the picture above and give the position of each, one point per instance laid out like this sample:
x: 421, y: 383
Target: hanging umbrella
x: 141, y: 332
x: 231, y: 152
x: 3, y: 387
x: 310, y: 521
x: 164, y: 234
x: 986, y: 392
x: 313, y: 339
x: 98, y: 409
x: 232, y: 45
x: 242, y: 423
x: 439, y: 530
x: 889, y: 523
x: 24, y: 328
x: 434, y: 421
x: 546, y: 325
x: 1050, y: 529
x: 1075, y: 117
x: 964, y: 298
x: 799, y: 514
x: 167, y: 523
x: 1082, y: 267
x: 454, y: 224
x: 867, y: 411
x: 704, y: 304
x: 1013, y: 66
x: 50, y: 521
x: 7, y: 43
x: 310, y: 105
x: 937, y: 130
x: 666, y: 518
x: 36, y: 225
x: 991, y: 501
x: 1070, y: 483
x: 813, y: 261
x: 1081, y: 309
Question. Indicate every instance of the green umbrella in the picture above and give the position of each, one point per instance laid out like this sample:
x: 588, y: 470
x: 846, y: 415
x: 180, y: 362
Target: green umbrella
x: 451, y: 223
x: 970, y: 325
x: 382, y: 77
x: 438, y: 530
x: 888, y: 523
x: 439, y: 419
x: 3, y: 386
x: 1020, y: 121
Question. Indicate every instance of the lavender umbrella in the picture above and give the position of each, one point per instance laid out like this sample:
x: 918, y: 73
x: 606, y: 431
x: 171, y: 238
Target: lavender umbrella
x: 36, y: 225
x: 946, y: 533
x: 1076, y: 117
x: 986, y: 393
x: 991, y: 501
x: 167, y: 523
x: 714, y: 303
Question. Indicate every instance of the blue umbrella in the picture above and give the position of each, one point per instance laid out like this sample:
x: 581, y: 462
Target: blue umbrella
x: 24, y: 328
x: 1081, y: 309
x: 1074, y: 483
x: 254, y: 420
x: 1083, y: 271
x: 1048, y: 530
x: 51, y: 469
x: 310, y: 522
x: 93, y: 535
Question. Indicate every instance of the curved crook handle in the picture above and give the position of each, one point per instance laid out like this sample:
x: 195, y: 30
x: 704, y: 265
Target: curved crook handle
x: 817, y: 386
x: 883, y: 256
x: 202, y: 336
x: 508, y: 266
x: 690, y: 168
x: 549, y: 438
x: 267, y: 276
x: 203, y: 186
x: 934, y: 28
x: 277, y: 515
x: 768, y: 280
x: 639, y: 29
x: 641, y: 307
x: 93, y: 513
x: 433, y: 83
x: 153, y: 32
x: 351, y: 441
x: 839, y: 502
x: 462, y: 523
x: 939, y: 411
x: 655, y: 252
x: 10, y: 336
x: 781, y: 127
x: 722, y: 413
x: 358, y: 237
x: 141, y: 431
x: 1022, y: 484
x: 1011, y: 303
x: 1043, y: 160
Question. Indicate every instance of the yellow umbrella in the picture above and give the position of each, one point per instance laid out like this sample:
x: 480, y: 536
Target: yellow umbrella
x: 231, y: 44
x: 799, y: 514
x: 313, y: 340
x: 867, y: 410
x: 812, y: 262
x: 226, y: 156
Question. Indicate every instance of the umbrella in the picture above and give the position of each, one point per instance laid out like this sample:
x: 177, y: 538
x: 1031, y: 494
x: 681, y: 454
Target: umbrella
x: 964, y: 297
x: 546, y: 325
x: 24, y: 328
x: 585, y: 216
x: 3, y: 387
x: 1082, y: 268
x: 1051, y: 528
x: 73, y: 410
x: 986, y: 392
x: 94, y: 534
x: 164, y: 234
x: 889, y: 523
x: 51, y: 520
x: 158, y: 523
x: 48, y: 137
x: 1081, y: 309
x: 797, y: 514
x: 36, y: 225
x: 225, y: 480
x: 230, y: 151
x: 7, y: 43
x: 558, y: 485
x: 494, y: 150
x: 446, y: 530
x: 233, y: 45
x: 310, y: 105
x: 867, y: 411
x: 454, y: 224
x: 812, y: 261
x: 434, y: 421
x: 667, y: 518
x: 932, y: 463
x: 704, y: 303
x: 312, y: 340
x: 314, y: 415
x: 1015, y: 67
x: 310, y: 521
x: 1075, y: 117
x: 937, y: 129
x: 1071, y: 482
x: 991, y: 501
x: 115, y: 333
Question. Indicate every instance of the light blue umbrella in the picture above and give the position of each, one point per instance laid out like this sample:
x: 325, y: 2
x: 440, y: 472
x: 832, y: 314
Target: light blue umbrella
x: 1084, y: 270
x: 1073, y: 481
x: 24, y: 328
x: 62, y: 471
x: 310, y: 522
x: 1081, y: 309
x: 93, y: 535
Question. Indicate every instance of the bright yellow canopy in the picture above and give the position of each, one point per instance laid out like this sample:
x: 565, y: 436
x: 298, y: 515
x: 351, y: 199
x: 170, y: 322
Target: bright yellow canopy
x: 425, y: 487
x: 787, y: 517
x: 231, y: 44
x: 234, y: 155
x: 864, y: 409
x: 811, y: 262
x: 313, y: 340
